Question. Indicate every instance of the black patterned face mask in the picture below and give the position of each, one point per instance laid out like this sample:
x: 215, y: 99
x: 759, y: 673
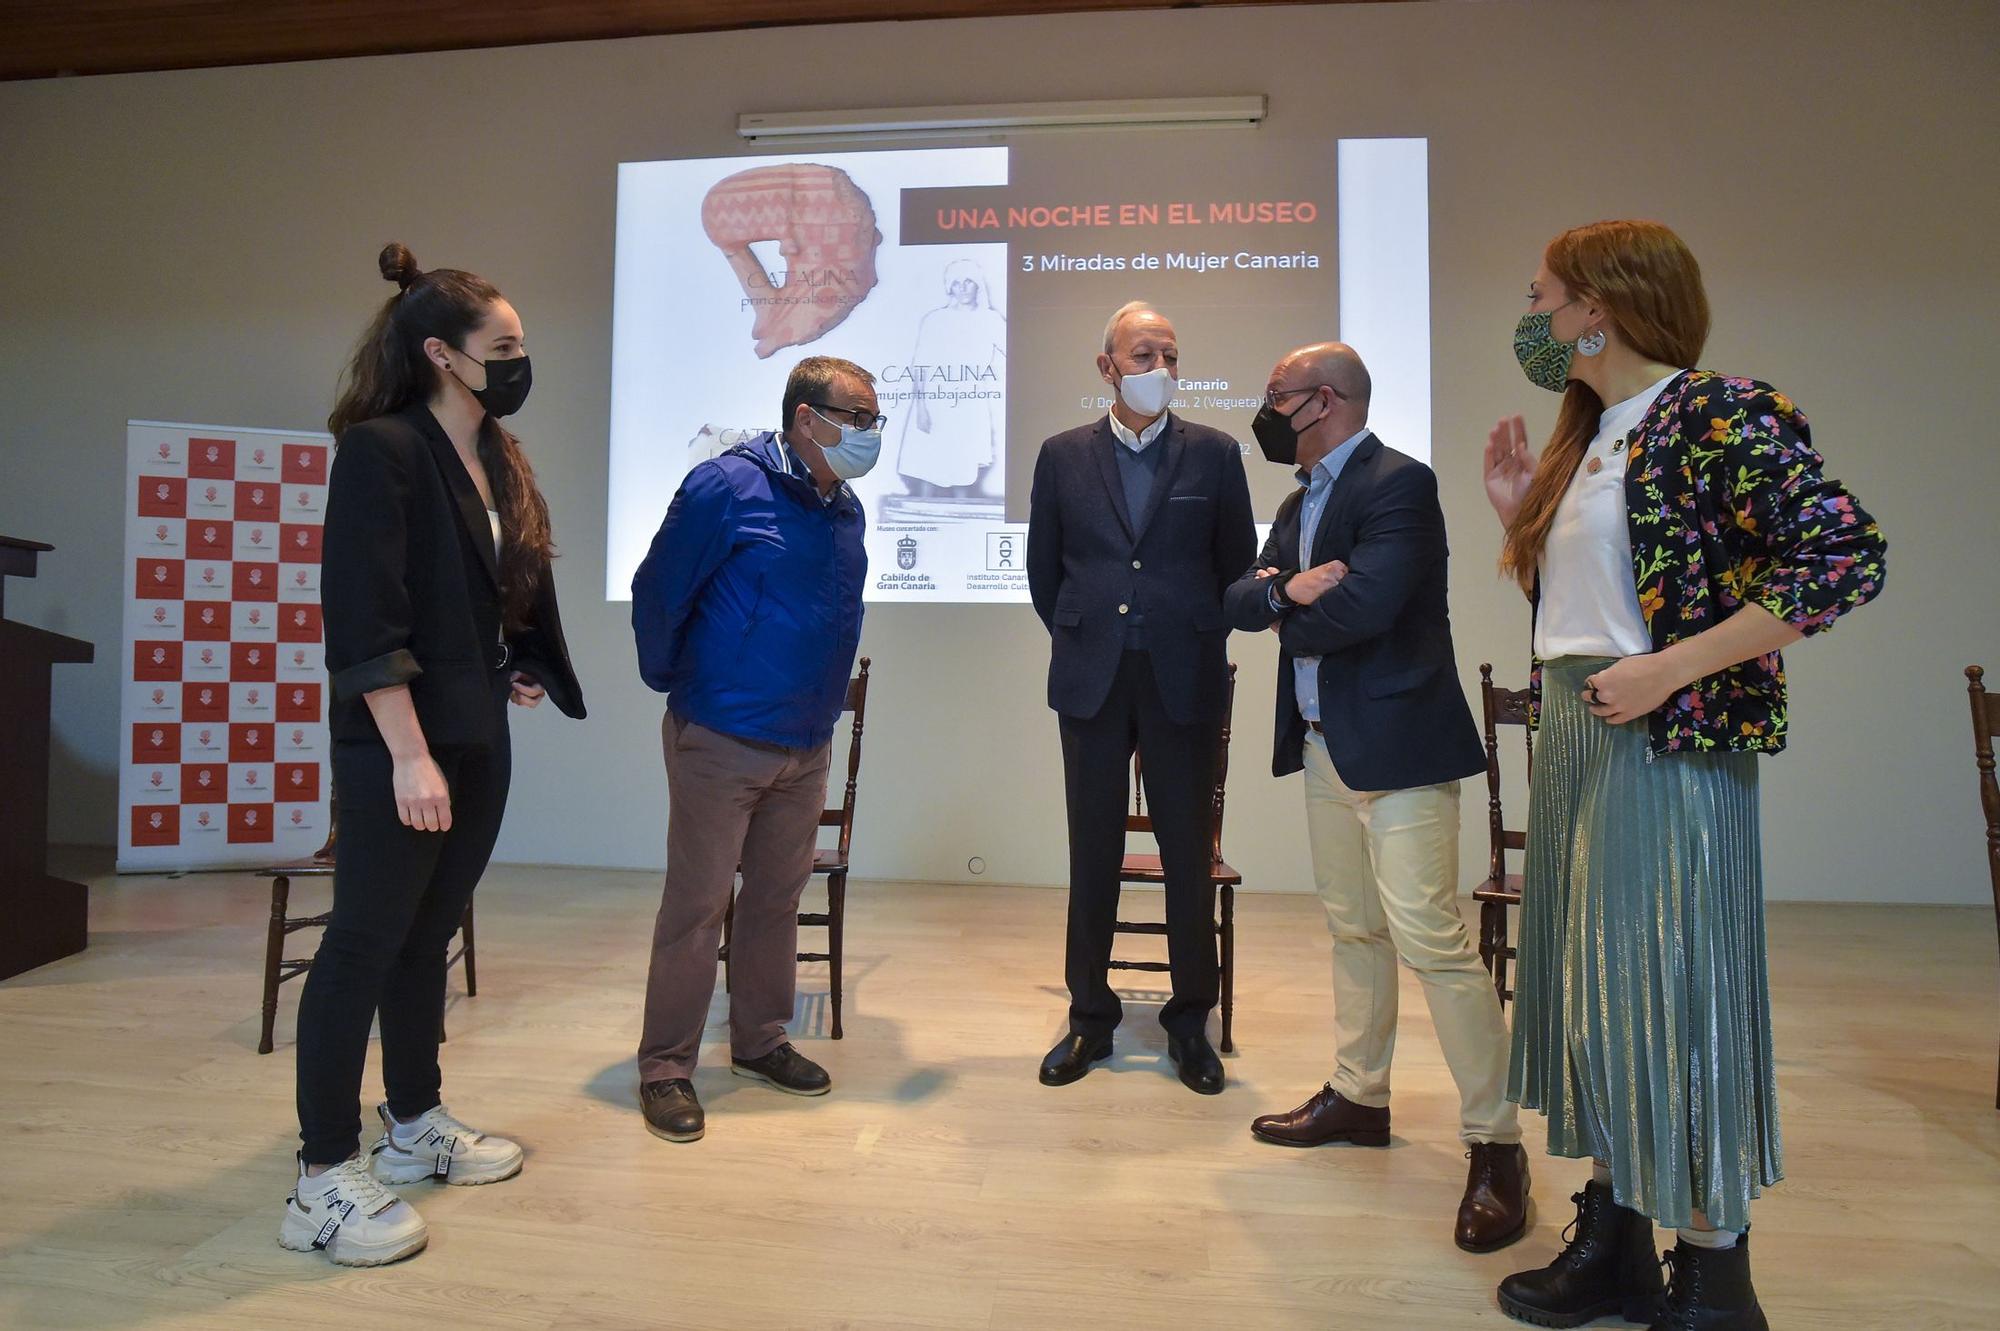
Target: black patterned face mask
x: 1543, y: 359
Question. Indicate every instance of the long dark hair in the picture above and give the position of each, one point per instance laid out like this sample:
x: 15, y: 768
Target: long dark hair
x: 390, y: 372
x: 1650, y: 285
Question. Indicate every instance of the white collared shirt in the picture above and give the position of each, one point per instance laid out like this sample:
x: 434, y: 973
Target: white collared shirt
x: 1137, y: 442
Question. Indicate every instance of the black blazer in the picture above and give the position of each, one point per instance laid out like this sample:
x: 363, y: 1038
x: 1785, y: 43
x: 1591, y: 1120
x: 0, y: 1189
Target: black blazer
x: 1389, y: 699
x: 1087, y: 557
x: 409, y: 588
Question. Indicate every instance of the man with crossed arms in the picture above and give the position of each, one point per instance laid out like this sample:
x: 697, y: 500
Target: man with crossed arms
x: 1369, y: 705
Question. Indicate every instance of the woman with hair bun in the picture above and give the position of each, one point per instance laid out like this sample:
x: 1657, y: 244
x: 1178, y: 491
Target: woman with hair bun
x: 1674, y: 534
x: 439, y: 608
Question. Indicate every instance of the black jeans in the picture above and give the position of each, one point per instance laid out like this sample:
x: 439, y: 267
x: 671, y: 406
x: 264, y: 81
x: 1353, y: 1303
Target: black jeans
x: 1178, y: 766
x: 398, y: 897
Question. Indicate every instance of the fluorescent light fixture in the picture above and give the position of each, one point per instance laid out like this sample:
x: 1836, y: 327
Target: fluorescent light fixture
x: 999, y: 118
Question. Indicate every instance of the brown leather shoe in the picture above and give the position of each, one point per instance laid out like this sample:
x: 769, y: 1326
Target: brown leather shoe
x: 1495, y: 1210
x: 1327, y: 1117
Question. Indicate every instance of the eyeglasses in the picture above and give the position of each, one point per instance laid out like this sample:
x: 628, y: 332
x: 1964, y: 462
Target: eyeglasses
x: 1271, y: 398
x: 854, y: 416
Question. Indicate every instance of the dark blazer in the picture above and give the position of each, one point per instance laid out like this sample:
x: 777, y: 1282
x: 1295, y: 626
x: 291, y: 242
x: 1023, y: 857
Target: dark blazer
x: 410, y: 589
x: 1389, y: 699
x: 1088, y: 557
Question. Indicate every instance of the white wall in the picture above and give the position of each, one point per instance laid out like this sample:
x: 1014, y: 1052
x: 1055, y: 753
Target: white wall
x: 199, y: 246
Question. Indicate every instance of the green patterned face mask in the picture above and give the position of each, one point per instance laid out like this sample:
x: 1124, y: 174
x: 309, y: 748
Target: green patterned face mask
x: 1543, y: 359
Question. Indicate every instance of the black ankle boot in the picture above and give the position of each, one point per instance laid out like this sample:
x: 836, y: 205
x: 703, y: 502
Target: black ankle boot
x: 1608, y: 1265
x: 1710, y: 1290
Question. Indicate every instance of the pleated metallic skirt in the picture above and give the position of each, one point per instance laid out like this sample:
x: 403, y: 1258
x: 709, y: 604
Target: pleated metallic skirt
x: 1642, y: 1018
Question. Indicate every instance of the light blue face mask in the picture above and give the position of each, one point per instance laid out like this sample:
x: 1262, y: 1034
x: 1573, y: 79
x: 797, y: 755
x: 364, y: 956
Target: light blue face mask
x: 856, y: 453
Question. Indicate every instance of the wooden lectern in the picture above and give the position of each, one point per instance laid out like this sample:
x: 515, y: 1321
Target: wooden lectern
x: 41, y: 918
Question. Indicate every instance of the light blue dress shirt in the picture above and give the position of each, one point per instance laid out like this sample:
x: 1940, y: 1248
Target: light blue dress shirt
x: 1319, y: 488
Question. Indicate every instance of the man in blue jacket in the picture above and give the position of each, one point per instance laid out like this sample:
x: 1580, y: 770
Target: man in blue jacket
x: 747, y: 613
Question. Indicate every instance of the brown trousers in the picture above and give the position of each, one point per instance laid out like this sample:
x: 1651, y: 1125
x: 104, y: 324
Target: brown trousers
x: 731, y: 802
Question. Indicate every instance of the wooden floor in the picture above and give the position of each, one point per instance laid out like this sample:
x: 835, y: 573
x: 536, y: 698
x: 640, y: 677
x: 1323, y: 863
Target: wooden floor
x: 145, y: 1149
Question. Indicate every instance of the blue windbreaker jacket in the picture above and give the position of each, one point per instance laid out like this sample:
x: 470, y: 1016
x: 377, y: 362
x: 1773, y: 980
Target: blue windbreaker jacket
x: 747, y: 609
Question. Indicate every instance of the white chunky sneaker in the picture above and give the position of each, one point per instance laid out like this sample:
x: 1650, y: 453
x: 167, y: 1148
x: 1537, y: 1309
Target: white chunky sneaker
x: 439, y: 1146
x: 350, y: 1217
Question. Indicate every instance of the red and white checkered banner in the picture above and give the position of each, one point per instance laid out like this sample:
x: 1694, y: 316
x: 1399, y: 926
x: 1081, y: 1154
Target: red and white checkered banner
x: 223, y: 707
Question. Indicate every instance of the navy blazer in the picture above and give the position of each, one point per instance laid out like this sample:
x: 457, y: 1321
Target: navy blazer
x: 1089, y: 561
x: 410, y: 589
x: 1390, y: 703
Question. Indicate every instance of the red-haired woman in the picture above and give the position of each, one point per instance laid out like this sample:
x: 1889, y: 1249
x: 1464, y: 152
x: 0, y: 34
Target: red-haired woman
x: 439, y: 607
x: 1674, y: 534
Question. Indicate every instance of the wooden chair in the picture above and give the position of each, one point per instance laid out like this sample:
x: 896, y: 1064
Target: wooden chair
x: 1147, y: 869
x: 1985, y: 724
x: 831, y: 861
x: 1499, y: 889
x: 279, y: 968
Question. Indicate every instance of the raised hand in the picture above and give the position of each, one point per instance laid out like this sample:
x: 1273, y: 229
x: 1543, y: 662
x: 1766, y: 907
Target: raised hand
x: 1510, y: 468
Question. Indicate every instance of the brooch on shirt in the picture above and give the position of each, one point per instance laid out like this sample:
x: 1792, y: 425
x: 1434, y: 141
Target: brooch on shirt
x: 1596, y: 465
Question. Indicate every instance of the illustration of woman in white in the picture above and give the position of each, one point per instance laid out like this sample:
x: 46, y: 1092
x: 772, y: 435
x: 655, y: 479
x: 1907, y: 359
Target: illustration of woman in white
x: 952, y: 434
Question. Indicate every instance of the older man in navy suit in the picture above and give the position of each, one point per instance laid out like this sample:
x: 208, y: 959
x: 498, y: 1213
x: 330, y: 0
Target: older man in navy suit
x: 1137, y: 524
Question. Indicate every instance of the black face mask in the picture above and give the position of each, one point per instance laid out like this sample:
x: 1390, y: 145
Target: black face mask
x: 1276, y: 434
x: 507, y: 384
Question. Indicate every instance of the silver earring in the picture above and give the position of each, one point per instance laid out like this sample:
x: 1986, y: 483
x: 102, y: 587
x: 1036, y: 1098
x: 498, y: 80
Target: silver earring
x: 1590, y: 343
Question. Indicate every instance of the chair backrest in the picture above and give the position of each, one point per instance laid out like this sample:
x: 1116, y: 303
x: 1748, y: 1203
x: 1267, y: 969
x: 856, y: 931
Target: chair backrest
x: 1140, y: 821
x: 1501, y: 707
x: 841, y: 815
x: 1986, y: 724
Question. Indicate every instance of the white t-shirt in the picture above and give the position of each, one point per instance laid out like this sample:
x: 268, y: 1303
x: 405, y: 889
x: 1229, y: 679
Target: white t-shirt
x: 493, y: 517
x: 1590, y: 601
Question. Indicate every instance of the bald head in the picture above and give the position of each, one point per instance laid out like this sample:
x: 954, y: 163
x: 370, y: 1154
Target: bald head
x: 1322, y: 390
x: 1332, y: 363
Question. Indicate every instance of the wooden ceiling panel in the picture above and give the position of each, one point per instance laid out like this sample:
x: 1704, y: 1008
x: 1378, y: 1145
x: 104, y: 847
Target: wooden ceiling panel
x: 50, y: 38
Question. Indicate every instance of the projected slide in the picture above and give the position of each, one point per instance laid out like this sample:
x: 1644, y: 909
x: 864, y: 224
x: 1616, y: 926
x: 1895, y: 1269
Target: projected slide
x: 974, y: 283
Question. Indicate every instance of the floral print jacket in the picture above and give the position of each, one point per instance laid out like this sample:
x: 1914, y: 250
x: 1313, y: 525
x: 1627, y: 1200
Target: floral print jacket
x: 1726, y: 506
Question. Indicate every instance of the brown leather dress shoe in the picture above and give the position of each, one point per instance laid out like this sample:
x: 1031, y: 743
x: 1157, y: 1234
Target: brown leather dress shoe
x: 1327, y: 1117
x: 1495, y: 1210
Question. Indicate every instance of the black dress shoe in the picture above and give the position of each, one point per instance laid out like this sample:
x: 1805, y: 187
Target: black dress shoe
x: 1072, y: 1057
x: 671, y: 1110
x: 787, y: 1069
x: 1201, y: 1070
x: 1609, y: 1267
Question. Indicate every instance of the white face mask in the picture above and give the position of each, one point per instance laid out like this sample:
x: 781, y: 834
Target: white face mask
x: 1148, y: 393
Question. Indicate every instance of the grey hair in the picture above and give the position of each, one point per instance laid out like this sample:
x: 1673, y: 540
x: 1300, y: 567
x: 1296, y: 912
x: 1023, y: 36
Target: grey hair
x: 1120, y: 315
x: 811, y: 379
